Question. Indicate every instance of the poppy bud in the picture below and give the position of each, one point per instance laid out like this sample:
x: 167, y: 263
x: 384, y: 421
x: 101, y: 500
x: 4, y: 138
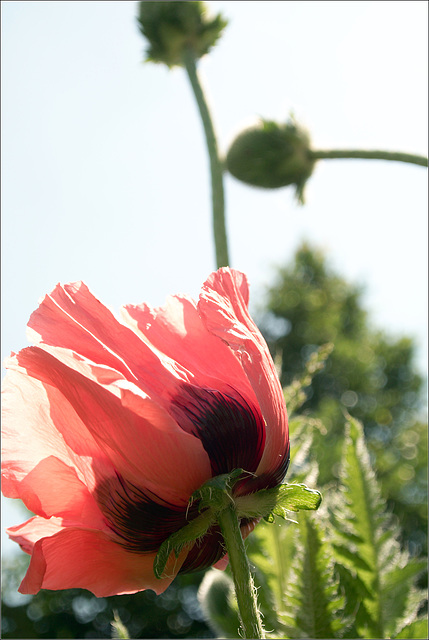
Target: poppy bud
x: 271, y: 156
x: 172, y: 28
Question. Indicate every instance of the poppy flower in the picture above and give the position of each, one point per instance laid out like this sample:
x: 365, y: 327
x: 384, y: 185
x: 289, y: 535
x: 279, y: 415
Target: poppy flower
x: 109, y: 426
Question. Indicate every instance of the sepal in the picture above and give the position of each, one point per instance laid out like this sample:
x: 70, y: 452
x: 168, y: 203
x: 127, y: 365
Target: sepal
x: 216, y: 495
x: 174, y: 28
x: 268, y: 503
x: 191, y: 532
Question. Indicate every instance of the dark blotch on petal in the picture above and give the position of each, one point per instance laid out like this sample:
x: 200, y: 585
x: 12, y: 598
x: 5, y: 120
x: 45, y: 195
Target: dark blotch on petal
x: 205, y: 552
x: 139, y: 521
x: 210, y: 549
x: 268, y: 480
x: 231, y: 429
x: 232, y: 432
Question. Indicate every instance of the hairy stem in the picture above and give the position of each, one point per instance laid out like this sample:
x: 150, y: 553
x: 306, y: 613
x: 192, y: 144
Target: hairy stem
x: 243, y: 581
x: 216, y: 168
x: 369, y: 155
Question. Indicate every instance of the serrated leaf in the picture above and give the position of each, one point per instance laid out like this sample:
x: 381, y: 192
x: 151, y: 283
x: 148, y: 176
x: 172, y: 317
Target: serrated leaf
x: 271, y: 548
x: 414, y: 630
x: 401, y: 600
x: 314, y: 606
x: 277, y: 501
x: 373, y: 553
x: 360, y: 509
x: 352, y: 585
x: 294, y: 497
x: 350, y: 557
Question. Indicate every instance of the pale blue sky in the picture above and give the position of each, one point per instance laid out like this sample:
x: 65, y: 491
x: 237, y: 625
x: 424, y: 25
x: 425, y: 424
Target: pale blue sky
x: 105, y: 170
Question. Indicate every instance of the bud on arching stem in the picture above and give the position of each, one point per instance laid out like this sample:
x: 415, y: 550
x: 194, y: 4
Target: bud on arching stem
x: 270, y: 155
x: 179, y: 33
x: 172, y: 28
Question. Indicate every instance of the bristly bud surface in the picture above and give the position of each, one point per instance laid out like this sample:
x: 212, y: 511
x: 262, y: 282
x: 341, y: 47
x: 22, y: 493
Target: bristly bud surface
x: 271, y: 155
x: 173, y: 28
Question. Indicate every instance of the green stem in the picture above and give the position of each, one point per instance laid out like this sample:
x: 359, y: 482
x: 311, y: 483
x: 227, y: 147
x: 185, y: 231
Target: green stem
x: 369, y: 155
x: 279, y: 559
x: 216, y: 168
x: 243, y: 581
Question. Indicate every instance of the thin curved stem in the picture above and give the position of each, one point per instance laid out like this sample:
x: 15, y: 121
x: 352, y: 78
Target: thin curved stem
x: 216, y: 168
x: 243, y: 581
x: 396, y: 156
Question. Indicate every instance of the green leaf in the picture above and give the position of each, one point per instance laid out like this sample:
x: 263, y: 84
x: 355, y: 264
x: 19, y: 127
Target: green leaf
x: 294, y: 497
x: 366, y: 545
x: 212, y: 497
x: 271, y: 549
x: 401, y: 600
x: 415, y: 630
x: 278, y: 500
x: 361, y: 509
x: 349, y: 557
x: 313, y: 600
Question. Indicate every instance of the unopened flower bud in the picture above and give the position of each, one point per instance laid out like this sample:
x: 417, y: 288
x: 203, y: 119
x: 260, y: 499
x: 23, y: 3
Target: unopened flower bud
x: 172, y: 28
x: 271, y: 156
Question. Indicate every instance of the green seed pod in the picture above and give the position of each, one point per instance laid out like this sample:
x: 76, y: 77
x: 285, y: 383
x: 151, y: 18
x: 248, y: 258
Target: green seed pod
x: 172, y: 28
x: 271, y: 156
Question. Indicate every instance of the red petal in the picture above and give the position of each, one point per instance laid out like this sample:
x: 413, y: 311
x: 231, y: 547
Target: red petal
x: 28, y: 533
x: 53, y: 489
x: 83, y: 559
x: 177, y: 330
x: 137, y: 435
x: 37, y: 425
x: 71, y: 317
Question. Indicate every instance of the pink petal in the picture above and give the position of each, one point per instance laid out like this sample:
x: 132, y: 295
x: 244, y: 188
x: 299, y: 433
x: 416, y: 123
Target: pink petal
x: 223, y: 307
x: 36, y: 425
x: 139, y: 437
x: 53, y: 489
x: 28, y: 533
x: 71, y: 317
x: 177, y: 330
x: 222, y: 563
x: 78, y: 558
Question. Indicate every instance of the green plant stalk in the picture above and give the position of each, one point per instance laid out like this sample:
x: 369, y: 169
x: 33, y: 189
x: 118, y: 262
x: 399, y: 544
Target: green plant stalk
x: 279, y: 558
x: 216, y: 167
x: 240, y: 568
x: 395, y: 156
